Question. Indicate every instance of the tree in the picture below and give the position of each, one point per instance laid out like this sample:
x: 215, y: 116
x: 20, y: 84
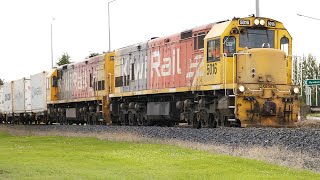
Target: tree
x: 1, y: 81
x: 308, y: 68
x: 93, y: 55
x: 64, y: 59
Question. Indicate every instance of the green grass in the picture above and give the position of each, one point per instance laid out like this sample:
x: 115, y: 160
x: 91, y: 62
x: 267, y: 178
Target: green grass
x: 33, y: 157
x: 315, y: 115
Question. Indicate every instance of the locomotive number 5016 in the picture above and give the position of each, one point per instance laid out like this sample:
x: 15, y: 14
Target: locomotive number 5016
x: 212, y: 68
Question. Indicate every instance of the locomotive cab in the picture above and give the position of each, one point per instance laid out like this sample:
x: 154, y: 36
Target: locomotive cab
x: 250, y: 59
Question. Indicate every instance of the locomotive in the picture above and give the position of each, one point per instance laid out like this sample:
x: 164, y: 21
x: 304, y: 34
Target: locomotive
x: 229, y: 73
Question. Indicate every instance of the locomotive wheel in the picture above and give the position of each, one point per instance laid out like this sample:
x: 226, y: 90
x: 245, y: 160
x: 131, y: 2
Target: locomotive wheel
x: 215, y: 120
x: 190, y: 117
x: 147, y: 122
x: 140, y: 119
x: 132, y: 119
x: 237, y: 124
x: 65, y: 122
x: 196, y: 123
x: 122, y: 118
x: 205, y: 119
x: 93, y: 120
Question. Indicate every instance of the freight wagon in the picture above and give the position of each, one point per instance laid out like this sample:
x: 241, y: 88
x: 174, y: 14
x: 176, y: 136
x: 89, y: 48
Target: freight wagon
x: 8, y: 101
x: 2, y: 117
x: 21, y: 100
x: 39, y: 94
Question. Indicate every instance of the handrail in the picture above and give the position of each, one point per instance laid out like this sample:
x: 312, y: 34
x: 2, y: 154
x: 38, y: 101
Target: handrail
x: 110, y: 85
x: 283, y: 91
x: 260, y: 89
x: 255, y: 90
x: 224, y: 55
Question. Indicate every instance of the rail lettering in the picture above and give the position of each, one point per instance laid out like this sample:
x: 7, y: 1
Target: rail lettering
x: 170, y: 65
x: 7, y: 97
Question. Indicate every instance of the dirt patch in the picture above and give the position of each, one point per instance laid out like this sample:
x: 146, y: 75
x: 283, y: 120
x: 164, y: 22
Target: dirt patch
x: 310, y: 122
x: 275, y: 155
x: 3, y: 172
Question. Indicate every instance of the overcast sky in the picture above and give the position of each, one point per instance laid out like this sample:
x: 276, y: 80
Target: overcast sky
x: 81, y: 26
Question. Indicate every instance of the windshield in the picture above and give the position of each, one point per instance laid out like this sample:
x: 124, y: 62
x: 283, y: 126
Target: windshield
x: 257, y: 38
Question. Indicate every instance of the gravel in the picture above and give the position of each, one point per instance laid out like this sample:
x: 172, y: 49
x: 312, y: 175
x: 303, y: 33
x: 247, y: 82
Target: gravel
x: 296, y: 139
x: 301, y: 140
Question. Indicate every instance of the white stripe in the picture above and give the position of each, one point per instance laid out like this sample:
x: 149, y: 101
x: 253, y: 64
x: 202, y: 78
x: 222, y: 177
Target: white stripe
x: 216, y: 87
x: 190, y: 74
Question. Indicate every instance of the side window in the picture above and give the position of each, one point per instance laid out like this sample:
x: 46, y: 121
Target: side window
x: 90, y: 80
x: 229, y: 45
x: 99, y: 85
x: 47, y: 83
x: 195, y: 45
x: 213, y: 50
x: 119, y: 81
x: 284, y: 45
x: 54, y: 81
x: 201, y: 40
x: 198, y: 40
x: 103, y: 85
x: 132, y: 72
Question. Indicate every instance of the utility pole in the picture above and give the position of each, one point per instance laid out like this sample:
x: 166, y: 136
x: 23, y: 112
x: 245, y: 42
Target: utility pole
x: 52, y: 43
x: 257, y: 8
x: 109, y: 24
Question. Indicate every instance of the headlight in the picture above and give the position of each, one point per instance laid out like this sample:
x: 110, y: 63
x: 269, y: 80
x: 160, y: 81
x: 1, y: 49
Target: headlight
x: 256, y: 22
x: 241, y: 88
x: 262, y: 22
x: 296, y: 90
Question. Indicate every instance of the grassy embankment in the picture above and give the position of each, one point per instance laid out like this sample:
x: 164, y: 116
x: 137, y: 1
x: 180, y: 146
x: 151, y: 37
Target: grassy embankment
x: 34, y: 157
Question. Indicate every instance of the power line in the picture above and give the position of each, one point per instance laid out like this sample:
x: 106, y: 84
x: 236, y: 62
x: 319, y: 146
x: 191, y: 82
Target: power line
x: 308, y: 17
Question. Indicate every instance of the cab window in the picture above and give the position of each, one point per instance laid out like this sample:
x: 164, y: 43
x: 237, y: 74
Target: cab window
x: 213, y: 50
x: 229, y: 45
x: 257, y: 38
x: 284, y: 45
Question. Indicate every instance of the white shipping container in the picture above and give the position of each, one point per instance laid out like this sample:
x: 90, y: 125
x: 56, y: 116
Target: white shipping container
x: 7, y: 91
x: 22, y: 96
x: 1, y: 100
x: 38, y: 92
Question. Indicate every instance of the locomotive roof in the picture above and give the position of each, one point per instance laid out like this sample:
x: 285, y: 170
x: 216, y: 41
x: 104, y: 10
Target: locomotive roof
x: 217, y: 29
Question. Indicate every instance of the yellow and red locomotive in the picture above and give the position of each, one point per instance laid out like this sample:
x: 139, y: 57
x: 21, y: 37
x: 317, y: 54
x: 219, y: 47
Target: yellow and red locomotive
x: 230, y: 73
